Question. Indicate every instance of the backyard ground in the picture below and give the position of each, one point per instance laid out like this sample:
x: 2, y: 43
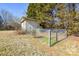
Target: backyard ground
x: 14, y: 44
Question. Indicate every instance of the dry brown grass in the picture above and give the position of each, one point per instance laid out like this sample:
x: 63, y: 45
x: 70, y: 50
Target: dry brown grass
x: 13, y: 44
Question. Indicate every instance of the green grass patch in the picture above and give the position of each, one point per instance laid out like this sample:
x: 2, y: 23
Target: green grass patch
x: 45, y: 40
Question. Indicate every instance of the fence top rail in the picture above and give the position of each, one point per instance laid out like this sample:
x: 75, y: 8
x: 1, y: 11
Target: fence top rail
x: 52, y: 30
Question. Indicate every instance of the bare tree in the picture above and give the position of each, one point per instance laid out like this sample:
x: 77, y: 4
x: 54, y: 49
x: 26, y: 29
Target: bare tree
x: 9, y: 21
x: 1, y: 22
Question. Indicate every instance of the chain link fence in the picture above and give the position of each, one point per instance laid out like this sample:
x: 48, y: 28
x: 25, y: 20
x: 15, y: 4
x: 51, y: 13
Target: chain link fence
x: 50, y: 37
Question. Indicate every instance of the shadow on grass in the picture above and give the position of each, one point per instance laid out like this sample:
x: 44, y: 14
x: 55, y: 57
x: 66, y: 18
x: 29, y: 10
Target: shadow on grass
x: 39, y: 37
x: 57, y: 42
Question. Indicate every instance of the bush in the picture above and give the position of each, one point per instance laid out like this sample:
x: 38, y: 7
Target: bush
x: 20, y: 32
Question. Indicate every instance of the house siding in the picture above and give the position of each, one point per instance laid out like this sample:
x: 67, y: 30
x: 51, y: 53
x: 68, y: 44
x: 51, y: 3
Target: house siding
x: 23, y: 26
x: 29, y: 27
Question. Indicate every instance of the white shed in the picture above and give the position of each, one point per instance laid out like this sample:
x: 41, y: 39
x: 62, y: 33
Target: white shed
x: 28, y: 26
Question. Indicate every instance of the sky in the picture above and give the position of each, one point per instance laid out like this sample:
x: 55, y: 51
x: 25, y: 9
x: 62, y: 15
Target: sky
x: 17, y: 9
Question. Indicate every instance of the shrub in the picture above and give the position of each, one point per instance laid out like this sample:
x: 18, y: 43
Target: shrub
x: 20, y: 32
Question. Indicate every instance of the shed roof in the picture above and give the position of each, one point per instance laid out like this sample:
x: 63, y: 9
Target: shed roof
x: 30, y: 21
x: 24, y: 19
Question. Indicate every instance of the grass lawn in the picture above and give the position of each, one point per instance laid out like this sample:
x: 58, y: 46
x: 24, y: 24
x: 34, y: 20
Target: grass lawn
x: 45, y: 40
x: 12, y: 44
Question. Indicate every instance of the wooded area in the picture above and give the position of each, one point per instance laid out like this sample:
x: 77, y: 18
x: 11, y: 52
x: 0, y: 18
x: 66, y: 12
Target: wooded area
x: 55, y: 15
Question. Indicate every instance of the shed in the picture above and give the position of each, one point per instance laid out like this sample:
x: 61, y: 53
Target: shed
x: 28, y: 25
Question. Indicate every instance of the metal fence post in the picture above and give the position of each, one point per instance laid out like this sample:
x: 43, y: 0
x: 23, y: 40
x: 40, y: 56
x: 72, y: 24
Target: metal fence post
x: 66, y: 34
x: 56, y: 35
x: 49, y: 39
